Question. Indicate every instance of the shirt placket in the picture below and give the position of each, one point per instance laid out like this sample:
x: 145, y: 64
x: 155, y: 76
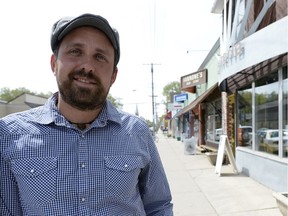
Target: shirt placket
x: 83, y: 176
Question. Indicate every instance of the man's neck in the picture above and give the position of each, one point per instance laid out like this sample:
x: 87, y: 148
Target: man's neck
x: 76, y: 116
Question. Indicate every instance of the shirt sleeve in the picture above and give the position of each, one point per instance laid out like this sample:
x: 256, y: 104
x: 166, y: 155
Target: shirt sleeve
x: 9, y: 199
x: 154, y: 187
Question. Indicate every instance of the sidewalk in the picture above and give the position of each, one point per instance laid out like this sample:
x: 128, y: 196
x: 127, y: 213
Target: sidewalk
x: 198, y: 191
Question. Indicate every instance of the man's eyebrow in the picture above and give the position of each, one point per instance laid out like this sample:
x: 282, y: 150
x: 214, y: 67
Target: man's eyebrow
x: 101, y: 50
x: 74, y: 44
x: 98, y: 49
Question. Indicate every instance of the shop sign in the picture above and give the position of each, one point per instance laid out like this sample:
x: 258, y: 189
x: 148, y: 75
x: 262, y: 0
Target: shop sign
x: 194, y: 79
x: 233, y: 54
x: 180, y: 97
x: 177, y: 106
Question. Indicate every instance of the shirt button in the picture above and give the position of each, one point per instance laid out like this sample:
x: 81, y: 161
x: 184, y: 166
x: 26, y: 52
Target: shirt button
x: 83, y: 199
x: 32, y: 171
x: 83, y: 165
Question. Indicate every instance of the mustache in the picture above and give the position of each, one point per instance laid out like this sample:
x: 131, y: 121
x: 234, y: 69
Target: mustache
x: 86, y: 74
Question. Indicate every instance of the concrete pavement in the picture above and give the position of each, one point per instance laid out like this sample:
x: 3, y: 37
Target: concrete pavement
x: 198, y: 191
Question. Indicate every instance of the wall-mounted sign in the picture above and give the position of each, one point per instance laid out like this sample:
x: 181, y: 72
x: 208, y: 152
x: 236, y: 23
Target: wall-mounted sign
x: 194, y: 79
x: 233, y: 55
x: 177, y: 106
x: 180, y: 97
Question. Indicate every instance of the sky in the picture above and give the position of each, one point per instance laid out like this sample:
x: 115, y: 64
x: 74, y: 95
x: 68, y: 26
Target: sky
x: 151, y: 31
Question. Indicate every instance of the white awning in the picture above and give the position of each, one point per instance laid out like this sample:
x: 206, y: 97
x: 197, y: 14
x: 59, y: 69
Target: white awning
x: 264, y: 44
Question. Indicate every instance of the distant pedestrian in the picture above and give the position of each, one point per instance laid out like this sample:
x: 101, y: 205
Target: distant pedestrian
x: 78, y: 155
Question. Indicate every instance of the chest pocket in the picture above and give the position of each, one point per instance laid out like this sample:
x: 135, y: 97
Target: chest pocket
x: 36, y: 179
x: 122, y: 174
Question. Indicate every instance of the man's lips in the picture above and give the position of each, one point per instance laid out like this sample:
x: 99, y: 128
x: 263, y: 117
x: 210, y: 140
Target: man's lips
x: 85, y: 80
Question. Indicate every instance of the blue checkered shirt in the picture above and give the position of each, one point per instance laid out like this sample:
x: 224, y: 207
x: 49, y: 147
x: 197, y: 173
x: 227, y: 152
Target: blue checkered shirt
x: 49, y: 167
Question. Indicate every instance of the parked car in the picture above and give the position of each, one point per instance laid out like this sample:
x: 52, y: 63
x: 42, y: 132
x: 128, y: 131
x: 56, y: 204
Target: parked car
x: 261, y: 131
x: 244, y: 135
x: 218, y: 133
x: 269, y: 140
x: 271, y: 136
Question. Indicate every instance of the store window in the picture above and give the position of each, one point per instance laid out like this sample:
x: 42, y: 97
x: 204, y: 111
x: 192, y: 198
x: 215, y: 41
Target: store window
x: 267, y: 113
x: 244, y: 129
x: 214, y: 123
x: 268, y: 120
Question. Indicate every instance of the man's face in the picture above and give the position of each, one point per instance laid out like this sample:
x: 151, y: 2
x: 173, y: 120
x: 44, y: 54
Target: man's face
x: 84, y: 68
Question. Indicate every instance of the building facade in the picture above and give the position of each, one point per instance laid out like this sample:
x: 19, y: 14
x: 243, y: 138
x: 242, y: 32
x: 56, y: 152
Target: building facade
x: 245, y: 91
x: 254, y: 86
x: 20, y: 103
x: 199, y: 116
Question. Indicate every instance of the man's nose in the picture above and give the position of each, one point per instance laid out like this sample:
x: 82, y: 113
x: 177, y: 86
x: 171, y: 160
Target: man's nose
x: 88, y: 64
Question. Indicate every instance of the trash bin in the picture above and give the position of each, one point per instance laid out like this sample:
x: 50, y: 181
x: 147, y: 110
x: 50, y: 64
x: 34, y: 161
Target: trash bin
x: 190, y: 145
x: 184, y: 136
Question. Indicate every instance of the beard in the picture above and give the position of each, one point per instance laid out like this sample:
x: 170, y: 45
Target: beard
x: 82, y: 98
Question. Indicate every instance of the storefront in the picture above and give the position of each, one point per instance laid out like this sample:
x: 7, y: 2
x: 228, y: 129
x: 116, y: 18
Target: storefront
x: 253, y: 74
x: 195, y: 115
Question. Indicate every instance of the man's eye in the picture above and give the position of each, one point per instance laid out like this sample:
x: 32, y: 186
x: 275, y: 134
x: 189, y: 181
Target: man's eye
x: 100, y: 57
x: 75, y: 52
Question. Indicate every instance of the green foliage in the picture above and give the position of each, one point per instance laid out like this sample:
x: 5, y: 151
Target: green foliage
x: 149, y: 123
x: 115, y: 101
x: 172, y: 87
x: 8, y: 94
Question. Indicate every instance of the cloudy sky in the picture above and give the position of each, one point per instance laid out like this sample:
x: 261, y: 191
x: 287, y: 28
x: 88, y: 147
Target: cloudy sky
x: 151, y: 31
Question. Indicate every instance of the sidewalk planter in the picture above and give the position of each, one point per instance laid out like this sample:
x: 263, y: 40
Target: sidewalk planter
x: 282, y: 202
x: 212, y: 157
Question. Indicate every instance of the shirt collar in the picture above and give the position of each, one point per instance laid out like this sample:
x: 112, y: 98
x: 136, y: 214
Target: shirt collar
x: 49, y: 113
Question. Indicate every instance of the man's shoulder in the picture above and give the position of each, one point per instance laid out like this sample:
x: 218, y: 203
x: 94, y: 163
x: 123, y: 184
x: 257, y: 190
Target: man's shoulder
x: 18, y: 120
x: 131, y: 119
x: 123, y: 117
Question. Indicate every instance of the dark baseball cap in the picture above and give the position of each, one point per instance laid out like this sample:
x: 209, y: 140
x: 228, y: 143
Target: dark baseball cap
x: 66, y: 24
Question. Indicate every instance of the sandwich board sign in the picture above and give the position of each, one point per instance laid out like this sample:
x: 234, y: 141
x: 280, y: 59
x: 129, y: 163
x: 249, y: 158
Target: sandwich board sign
x: 224, y: 145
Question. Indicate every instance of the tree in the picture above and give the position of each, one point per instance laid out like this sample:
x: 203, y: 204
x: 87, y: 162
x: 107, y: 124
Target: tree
x: 172, y: 87
x: 7, y: 94
x: 115, y: 101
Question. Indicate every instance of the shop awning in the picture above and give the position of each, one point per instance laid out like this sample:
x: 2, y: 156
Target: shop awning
x: 198, y: 100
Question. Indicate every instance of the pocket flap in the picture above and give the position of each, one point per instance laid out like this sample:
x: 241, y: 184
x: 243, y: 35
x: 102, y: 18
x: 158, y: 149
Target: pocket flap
x: 33, y: 166
x: 125, y: 162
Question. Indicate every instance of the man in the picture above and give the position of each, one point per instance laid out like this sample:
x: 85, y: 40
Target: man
x: 78, y: 155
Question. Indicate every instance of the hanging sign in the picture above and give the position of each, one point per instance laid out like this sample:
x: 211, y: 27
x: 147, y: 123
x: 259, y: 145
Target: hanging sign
x: 194, y: 79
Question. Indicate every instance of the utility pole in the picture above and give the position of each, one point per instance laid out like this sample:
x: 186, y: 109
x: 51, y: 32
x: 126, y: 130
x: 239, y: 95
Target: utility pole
x: 153, y: 96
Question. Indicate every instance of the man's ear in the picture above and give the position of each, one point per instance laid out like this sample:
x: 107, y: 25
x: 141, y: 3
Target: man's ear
x: 53, y: 63
x: 114, y: 76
